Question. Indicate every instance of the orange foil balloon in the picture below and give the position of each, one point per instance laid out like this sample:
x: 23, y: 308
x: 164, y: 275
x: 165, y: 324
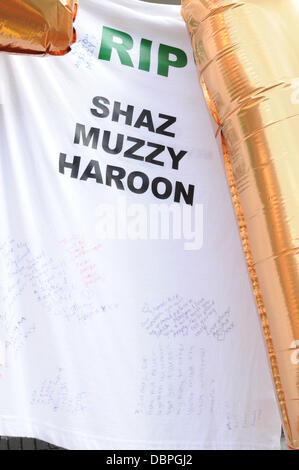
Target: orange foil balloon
x: 247, y: 53
x: 37, y: 26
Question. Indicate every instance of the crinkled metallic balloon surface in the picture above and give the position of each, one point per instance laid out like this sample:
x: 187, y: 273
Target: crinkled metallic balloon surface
x: 37, y: 26
x: 247, y: 53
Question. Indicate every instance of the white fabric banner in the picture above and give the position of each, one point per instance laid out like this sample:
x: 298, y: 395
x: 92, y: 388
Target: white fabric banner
x: 126, y: 312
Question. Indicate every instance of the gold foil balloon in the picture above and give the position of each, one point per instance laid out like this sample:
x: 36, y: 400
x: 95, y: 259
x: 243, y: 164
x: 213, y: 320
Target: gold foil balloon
x: 37, y: 26
x: 247, y: 53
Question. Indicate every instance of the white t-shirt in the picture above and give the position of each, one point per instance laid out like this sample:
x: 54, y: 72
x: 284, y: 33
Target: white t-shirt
x: 126, y: 311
